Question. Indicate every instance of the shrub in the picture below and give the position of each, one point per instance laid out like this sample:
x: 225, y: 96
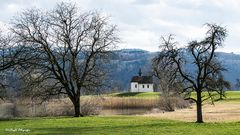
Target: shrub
x: 167, y: 104
x: 90, y: 106
x: 171, y: 103
x: 59, y: 107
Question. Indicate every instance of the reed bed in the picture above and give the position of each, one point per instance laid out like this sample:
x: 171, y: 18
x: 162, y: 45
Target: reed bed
x: 128, y: 103
x: 90, y: 105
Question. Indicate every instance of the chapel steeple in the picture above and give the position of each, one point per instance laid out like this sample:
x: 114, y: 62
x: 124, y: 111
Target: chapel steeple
x: 140, y: 72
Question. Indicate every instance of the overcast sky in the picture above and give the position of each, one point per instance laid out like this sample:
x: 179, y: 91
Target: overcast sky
x: 142, y: 22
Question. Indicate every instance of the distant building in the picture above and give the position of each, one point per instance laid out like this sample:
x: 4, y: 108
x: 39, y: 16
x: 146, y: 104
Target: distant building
x: 141, y: 83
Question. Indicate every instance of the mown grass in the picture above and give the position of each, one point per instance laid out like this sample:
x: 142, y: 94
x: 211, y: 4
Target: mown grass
x: 117, y: 125
x: 230, y: 95
x: 120, y: 125
x: 151, y: 99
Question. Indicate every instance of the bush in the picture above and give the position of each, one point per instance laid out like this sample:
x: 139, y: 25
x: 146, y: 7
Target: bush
x: 167, y: 104
x: 171, y: 103
x: 90, y: 106
x: 181, y: 103
x: 59, y: 107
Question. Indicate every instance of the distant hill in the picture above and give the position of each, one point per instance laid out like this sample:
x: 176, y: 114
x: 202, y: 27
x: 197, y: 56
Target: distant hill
x: 231, y: 62
x: 126, y: 63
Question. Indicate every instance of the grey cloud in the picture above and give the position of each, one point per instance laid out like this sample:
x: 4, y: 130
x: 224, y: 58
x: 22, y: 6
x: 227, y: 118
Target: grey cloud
x: 140, y: 21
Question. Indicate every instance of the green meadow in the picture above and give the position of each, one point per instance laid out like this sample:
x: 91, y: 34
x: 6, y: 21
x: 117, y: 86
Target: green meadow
x: 119, y: 124
x: 230, y: 95
x: 114, y: 125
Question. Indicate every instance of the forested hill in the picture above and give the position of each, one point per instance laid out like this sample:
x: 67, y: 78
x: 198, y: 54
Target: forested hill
x: 126, y: 63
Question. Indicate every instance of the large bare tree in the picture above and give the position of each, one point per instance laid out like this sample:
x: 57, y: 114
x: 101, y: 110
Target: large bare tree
x: 166, y: 73
x: 4, y: 44
x: 70, y: 49
x: 9, y: 60
x: 167, y: 80
x: 200, y: 55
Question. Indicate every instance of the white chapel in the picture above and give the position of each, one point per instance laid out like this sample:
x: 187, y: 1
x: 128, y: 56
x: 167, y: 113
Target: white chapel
x: 141, y: 83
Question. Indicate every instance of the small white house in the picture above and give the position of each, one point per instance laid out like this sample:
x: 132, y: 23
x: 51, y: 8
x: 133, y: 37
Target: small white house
x: 141, y: 83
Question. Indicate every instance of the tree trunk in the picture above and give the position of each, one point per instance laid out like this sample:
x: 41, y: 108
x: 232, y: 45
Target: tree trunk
x: 221, y: 94
x: 199, y: 108
x: 77, y: 108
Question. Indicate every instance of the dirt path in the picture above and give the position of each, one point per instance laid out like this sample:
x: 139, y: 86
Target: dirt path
x: 220, y: 112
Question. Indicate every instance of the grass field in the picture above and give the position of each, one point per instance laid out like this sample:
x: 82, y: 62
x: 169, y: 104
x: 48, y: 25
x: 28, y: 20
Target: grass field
x: 227, y: 110
x: 115, y: 125
x: 224, y: 118
x: 230, y: 95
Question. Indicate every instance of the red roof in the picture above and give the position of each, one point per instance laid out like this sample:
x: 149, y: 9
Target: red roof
x: 142, y: 79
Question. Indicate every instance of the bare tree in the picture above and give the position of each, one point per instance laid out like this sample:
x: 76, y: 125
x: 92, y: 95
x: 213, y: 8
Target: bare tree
x: 12, y: 58
x: 167, y: 80
x: 166, y: 73
x: 201, y: 56
x: 8, y: 56
x: 221, y: 85
x: 70, y: 50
